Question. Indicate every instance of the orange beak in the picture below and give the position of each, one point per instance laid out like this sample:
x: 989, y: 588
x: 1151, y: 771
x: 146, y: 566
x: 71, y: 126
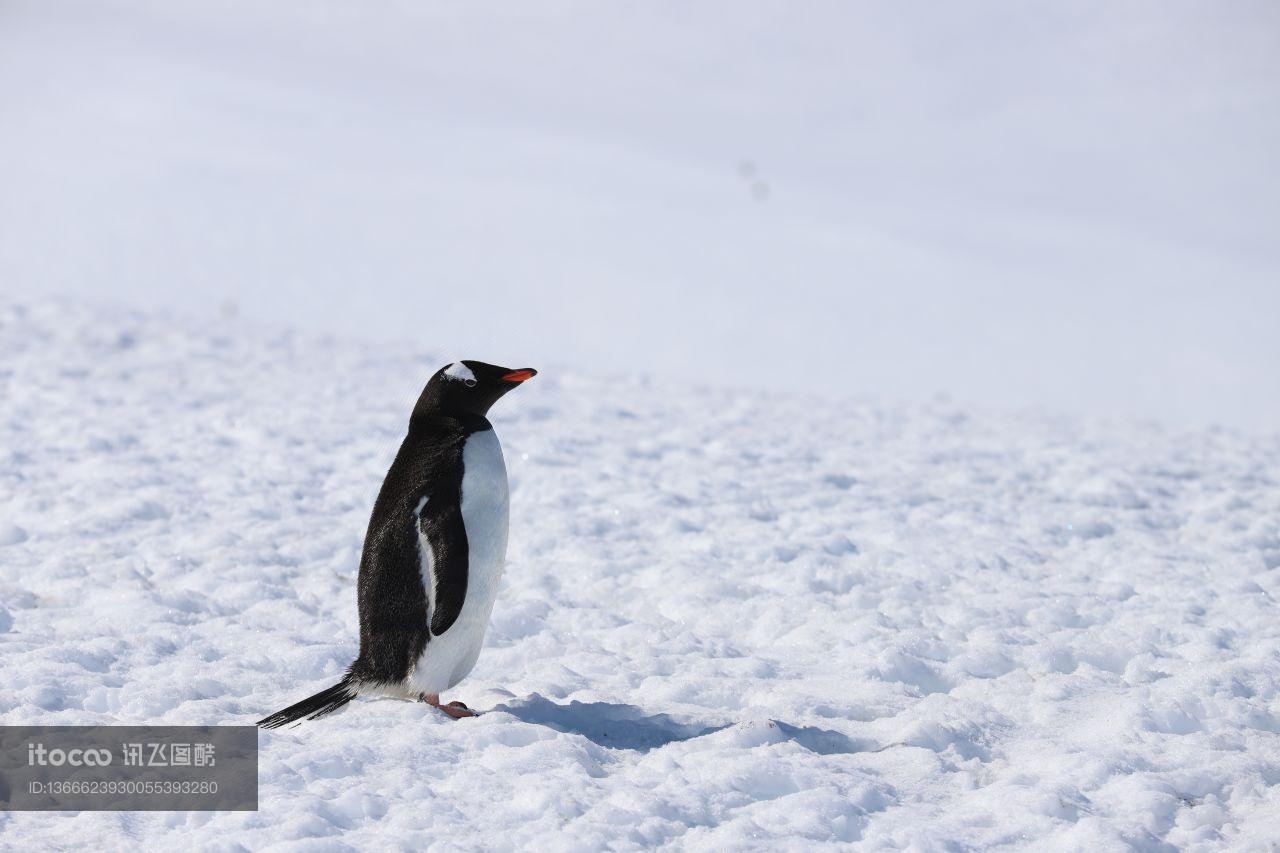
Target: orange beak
x: 520, y: 375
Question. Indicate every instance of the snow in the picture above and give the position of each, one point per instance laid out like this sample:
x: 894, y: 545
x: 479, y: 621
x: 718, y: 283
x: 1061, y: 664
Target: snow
x: 1070, y: 205
x: 730, y: 618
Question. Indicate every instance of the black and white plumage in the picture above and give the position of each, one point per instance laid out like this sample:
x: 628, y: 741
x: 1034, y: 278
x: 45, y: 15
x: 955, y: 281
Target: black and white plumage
x: 434, y: 551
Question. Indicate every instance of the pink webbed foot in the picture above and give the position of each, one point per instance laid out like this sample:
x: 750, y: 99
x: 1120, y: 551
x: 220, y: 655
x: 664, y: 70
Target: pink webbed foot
x: 456, y: 710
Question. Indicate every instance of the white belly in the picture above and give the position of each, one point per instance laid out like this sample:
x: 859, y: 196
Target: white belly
x: 450, y: 656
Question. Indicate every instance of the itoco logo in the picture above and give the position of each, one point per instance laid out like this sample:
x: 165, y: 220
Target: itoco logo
x: 37, y: 754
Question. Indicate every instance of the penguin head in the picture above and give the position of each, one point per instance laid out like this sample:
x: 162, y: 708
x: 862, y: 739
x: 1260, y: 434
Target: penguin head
x: 470, y: 387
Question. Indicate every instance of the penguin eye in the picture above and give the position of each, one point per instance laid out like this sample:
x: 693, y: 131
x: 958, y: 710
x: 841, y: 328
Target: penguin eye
x: 470, y: 383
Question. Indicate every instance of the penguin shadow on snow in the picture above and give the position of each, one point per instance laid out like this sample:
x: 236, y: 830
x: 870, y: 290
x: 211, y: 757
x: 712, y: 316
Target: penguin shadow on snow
x: 627, y: 727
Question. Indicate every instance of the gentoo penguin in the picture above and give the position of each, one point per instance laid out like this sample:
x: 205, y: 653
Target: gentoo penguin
x: 434, y: 551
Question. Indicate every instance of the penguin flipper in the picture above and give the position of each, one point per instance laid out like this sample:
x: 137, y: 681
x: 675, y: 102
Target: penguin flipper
x: 440, y: 521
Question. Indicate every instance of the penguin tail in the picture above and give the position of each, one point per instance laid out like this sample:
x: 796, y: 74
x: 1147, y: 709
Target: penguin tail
x: 325, y: 702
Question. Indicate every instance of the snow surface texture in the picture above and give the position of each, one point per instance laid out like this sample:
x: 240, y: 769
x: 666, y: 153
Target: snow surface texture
x: 728, y: 619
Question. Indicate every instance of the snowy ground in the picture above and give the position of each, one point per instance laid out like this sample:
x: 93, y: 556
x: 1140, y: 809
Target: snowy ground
x: 730, y: 619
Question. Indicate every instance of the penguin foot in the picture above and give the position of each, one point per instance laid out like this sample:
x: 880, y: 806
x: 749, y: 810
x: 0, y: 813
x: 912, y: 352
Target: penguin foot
x: 455, y: 709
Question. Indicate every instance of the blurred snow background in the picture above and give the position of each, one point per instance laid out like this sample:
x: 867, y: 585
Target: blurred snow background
x: 1068, y: 206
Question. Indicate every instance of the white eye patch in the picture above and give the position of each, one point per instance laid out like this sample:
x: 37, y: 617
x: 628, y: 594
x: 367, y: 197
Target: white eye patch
x: 460, y: 371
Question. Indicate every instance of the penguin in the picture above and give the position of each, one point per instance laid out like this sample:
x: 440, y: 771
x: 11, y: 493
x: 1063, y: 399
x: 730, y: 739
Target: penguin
x: 434, y: 551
